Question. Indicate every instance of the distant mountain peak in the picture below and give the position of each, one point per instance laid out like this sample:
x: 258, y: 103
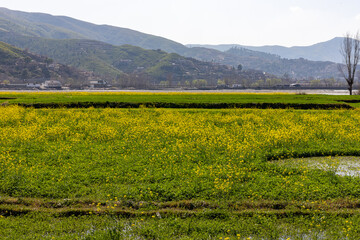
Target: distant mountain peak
x: 17, y: 26
x: 323, y: 51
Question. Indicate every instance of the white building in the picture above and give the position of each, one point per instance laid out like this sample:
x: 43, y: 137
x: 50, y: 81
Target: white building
x: 98, y: 84
x: 51, y: 84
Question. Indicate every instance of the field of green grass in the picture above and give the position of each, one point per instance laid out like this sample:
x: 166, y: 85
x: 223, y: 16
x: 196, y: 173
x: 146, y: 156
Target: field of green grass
x: 154, y: 173
x: 177, y: 100
x: 174, y: 97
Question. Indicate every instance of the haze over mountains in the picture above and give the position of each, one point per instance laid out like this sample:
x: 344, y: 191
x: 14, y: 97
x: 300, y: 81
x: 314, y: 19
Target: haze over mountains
x: 324, y: 51
x: 49, y: 35
x: 61, y: 27
x: 127, y: 65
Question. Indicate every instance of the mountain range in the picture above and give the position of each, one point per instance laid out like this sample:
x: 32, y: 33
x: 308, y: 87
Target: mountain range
x: 62, y: 27
x: 324, y: 51
x: 54, y: 36
x: 130, y: 66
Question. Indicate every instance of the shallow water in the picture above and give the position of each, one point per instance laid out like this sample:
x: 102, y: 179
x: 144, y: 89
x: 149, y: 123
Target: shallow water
x: 342, y: 166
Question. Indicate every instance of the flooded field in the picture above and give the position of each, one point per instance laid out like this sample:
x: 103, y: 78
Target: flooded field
x: 342, y: 166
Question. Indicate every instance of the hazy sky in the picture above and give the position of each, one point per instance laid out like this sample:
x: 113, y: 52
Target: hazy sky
x: 247, y: 22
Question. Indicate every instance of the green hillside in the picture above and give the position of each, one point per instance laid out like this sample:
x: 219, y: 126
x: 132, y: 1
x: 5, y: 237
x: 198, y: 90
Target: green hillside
x: 9, y: 54
x: 297, y: 68
x: 60, y: 27
x: 18, y: 66
x: 270, y: 63
x: 129, y: 65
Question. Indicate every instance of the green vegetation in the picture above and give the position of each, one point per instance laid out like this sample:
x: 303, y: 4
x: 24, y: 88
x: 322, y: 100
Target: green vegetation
x: 165, y: 173
x: 34, y: 31
x: 274, y: 64
x: 9, y: 54
x: 51, y: 27
x: 148, y: 98
x: 91, y: 153
x: 17, y: 65
x: 259, y: 226
x: 127, y: 66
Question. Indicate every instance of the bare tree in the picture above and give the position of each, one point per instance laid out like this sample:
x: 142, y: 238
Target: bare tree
x: 350, y: 49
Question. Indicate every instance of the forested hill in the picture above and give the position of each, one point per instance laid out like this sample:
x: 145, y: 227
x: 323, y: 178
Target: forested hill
x: 133, y: 65
x: 17, y: 65
x: 61, y: 27
x: 296, y: 68
x: 40, y: 25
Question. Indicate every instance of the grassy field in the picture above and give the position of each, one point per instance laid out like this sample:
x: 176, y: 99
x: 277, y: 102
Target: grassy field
x: 178, y: 173
x: 174, y: 97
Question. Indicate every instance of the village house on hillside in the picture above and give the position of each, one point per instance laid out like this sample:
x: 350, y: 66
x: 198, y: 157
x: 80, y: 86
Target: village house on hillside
x: 98, y: 84
x: 51, y: 84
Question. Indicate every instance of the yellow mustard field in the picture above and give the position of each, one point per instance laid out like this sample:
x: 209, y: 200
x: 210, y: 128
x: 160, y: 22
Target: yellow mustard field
x: 165, y: 154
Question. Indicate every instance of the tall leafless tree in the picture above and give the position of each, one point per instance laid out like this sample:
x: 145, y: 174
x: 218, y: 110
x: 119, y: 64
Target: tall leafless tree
x: 350, y: 49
